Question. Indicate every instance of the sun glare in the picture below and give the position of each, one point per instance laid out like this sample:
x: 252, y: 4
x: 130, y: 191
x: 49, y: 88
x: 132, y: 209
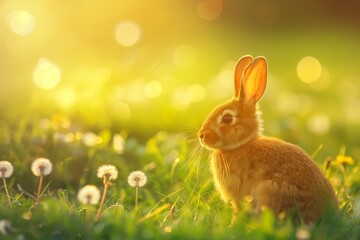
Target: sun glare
x: 46, y: 74
x: 309, y: 69
x: 21, y: 22
x: 127, y: 33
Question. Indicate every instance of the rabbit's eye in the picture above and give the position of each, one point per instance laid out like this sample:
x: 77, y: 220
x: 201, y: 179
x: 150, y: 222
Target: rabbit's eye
x: 227, y: 118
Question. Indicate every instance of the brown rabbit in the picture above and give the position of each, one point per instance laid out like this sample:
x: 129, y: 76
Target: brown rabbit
x: 274, y: 173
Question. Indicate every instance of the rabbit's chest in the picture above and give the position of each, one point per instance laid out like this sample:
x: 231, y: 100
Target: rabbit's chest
x: 232, y: 179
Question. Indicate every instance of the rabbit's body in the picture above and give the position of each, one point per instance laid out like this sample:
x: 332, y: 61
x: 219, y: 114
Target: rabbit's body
x: 274, y: 173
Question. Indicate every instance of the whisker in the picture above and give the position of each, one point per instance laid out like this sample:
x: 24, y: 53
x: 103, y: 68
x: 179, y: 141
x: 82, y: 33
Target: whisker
x: 226, y: 171
x: 195, y: 161
x: 192, y: 155
x: 192, y: 165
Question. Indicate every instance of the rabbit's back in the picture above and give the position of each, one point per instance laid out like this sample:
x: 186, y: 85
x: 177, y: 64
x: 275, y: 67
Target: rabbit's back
x: 277, y: 174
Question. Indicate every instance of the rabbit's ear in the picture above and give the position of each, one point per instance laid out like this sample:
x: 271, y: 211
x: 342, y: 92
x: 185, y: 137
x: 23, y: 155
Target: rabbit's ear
x: 254, y: 80
x: 239, y: 70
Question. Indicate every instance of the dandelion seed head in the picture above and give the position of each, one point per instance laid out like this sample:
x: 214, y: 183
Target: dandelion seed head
x: 109, y: 171
x: 41, y: 167
x: 302, y: 234
x: 89, y: 194
x: 6, y: 169
x: 137, y: 179
x: 5, y: 227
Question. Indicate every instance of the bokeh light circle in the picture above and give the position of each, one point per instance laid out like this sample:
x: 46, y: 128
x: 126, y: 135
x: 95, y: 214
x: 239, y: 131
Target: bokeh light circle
x: 319, y: 124
x: 153, y: 89
x: 309, y: 69
x: 46, y: 74
x: 21, y: 22
x: 209, y: 9
x: 183, y: 96
x: 66, y: 98
x: 127, y: 33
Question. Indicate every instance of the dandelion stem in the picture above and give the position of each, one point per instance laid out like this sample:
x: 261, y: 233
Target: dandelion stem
x: 85, y: 215
x: 102, y: 201
x: 39, y: 191
x: 7, y: 192
x: 136, y: 197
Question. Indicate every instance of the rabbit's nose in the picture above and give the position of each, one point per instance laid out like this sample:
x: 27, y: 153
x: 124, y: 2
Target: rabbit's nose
x: 201, y: 134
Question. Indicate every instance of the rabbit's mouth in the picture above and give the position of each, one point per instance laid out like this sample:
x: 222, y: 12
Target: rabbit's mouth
x: 202, y: 143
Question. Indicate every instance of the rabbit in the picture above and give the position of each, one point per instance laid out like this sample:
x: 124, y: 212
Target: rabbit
x: 274, y: 173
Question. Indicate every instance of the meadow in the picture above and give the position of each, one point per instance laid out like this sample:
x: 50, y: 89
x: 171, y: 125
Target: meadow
x: 119, y: 87
x: 178, y: 202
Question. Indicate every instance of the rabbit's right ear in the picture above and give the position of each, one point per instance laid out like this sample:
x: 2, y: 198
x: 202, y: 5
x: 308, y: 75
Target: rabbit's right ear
x: 239, y: 70
x: 254, y: 80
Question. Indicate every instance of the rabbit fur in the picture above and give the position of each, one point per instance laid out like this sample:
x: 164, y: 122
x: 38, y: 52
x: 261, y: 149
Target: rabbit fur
x: 276, y: 174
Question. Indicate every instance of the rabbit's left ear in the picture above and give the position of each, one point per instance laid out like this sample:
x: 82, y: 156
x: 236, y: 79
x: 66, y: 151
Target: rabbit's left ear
x: 254, y: 80
x: 239, y: 70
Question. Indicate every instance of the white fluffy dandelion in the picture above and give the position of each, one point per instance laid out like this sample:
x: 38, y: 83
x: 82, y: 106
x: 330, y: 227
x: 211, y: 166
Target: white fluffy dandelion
x: 89, y: 194
x: 5, y: 227
x: 302, y: 234
x: 137, y: 179
x: 6, y: 169
x: 109, y: 171
x: 41, y: 167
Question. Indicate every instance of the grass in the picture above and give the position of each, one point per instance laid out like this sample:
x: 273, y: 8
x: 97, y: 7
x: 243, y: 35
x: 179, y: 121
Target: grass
x: 178, y: 202
x: 106, y: 88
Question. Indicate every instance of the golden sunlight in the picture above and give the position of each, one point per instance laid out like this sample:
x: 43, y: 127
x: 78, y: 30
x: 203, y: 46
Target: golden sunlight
x: 309, y: 69
x: 46, y: 75
x: 21, y: 22
x: 127, y: 33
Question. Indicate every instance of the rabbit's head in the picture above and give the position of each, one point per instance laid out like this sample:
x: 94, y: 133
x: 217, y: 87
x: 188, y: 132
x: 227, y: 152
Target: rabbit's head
x: 237, y: 121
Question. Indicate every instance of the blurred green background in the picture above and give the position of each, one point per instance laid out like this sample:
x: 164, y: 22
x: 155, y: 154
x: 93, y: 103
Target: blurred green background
x: 145, y: 66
